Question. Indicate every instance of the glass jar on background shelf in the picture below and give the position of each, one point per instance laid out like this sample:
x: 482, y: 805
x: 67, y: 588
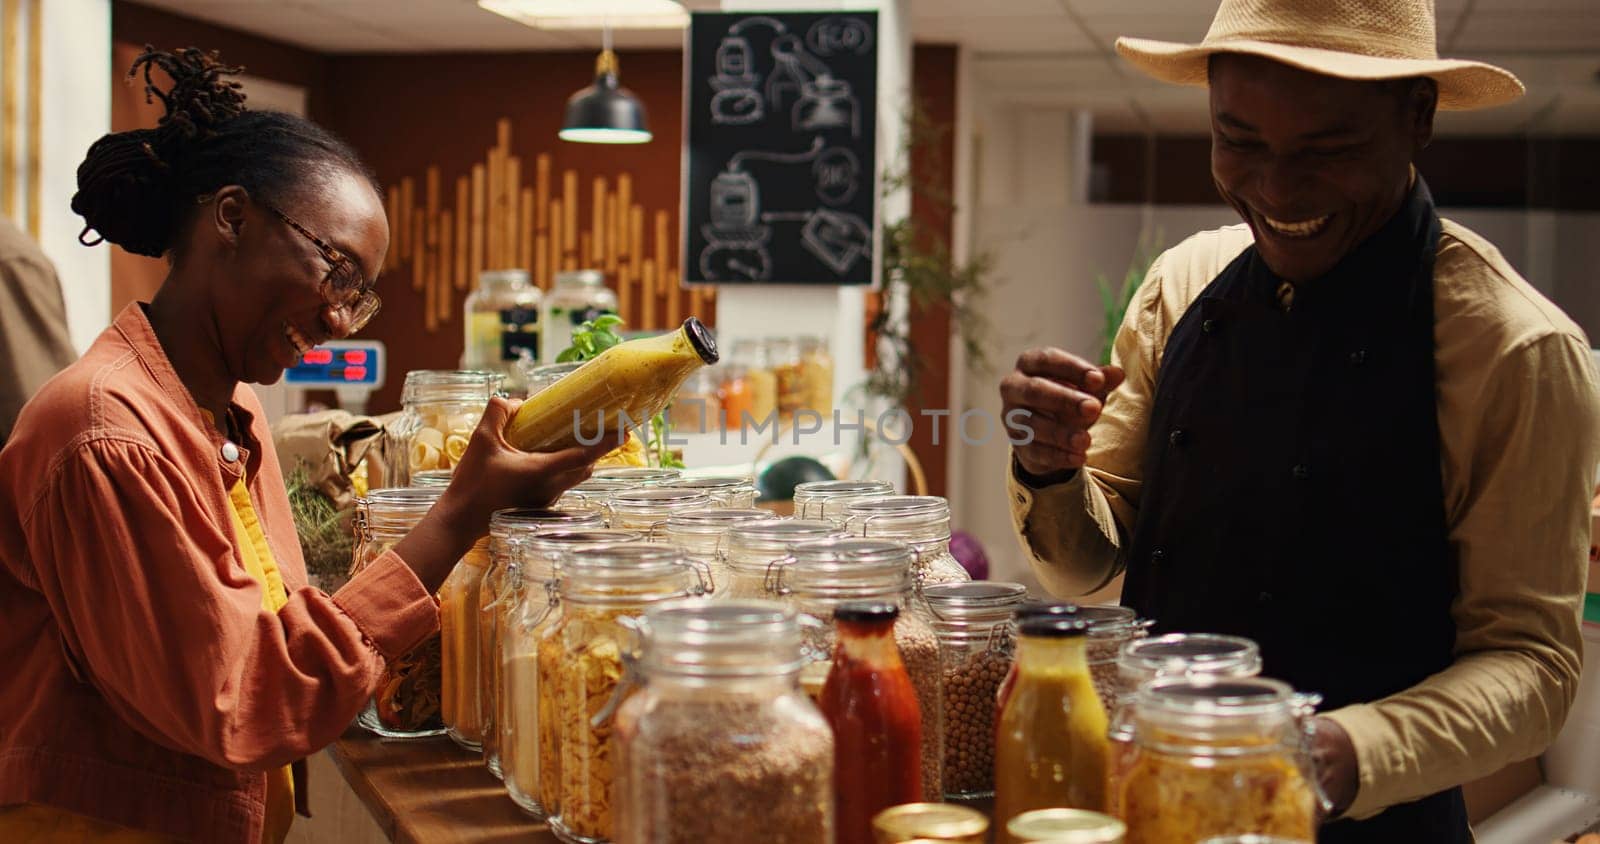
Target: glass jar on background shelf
x: 459, y: 600
x: 502, y: 325
x: 820, y: 575
x: 701, y: 535
x: 827, y: 499
x: 526, y: 743
x: 816, y: 367
x: 754, y: 388
x: 1065, y: 826
x: 721, y: 742
x: 594, y: 494
x: 921, y: 521
x: 918, y: 822
x: 440, y: 410
x: 637, y: 475
x: 1110, y: 627
x: 751, y: 548
x: 537, y: 376
x: 725, y: 491
x: 507, y: 528
x: 973, y: 623
x: 1219, y: 757
x: 577, y: 297
x: 695, y: 408
x: 407, y: 702
x: 581, y: 681
x: 647, y: 509
x: 783, y: 355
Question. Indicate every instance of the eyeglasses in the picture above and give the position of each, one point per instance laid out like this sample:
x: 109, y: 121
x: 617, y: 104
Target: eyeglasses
x: 342, y: 288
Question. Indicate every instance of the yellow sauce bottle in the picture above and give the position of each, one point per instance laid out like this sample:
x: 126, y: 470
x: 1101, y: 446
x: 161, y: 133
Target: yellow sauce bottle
x: 1050, y: 744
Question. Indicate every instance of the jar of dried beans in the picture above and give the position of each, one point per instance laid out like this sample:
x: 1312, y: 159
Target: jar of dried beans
x: 752, y: 548
x: 972, y: 621
x: 702, y: 534
x: 827, y: 499
x: 1110, y: 627
x: 440, y: 410
x: 647, y: 509
x: 820, y: 575
x: 721, y: 742
x: 921, y: 521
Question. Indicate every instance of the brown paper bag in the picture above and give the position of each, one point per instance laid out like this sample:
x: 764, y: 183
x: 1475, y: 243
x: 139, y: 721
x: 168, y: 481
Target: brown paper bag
x: 331, y: 446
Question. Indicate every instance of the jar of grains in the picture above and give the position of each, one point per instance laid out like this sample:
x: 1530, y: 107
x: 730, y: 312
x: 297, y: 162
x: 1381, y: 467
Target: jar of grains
x: 1219, y: 757
x: 407, y: 702
x: 721, y: 742
x: 827, y: 499
x: 532, y: 609
x: 581, y: 673
x: 725, y: 491
x: 440, y: 410
x: 506, y: 528
x: 647, y: 509
x: 973, y: 622
x: 700, y: 534
x: 1110, y: 627
x: 594, y: 494
x: 921, y: 521
x: 822, y: 574
x: 459, y: 601
x: 751, y: 548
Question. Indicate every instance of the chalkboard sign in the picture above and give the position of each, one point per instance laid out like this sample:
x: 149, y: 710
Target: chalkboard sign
x: 780, y: 181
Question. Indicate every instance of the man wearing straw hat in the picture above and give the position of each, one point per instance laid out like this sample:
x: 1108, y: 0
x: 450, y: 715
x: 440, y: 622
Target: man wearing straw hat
x: 1347, y: 428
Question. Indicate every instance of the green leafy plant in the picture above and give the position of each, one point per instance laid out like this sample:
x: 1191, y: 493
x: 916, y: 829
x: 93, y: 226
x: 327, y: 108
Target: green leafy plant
x: 1114, y: 300
x: 588, y: 341
x: 325, y: 535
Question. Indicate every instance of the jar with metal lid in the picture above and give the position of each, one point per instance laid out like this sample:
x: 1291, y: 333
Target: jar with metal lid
x: 578, y: 296
x: 750, y: 394
x: 921, y: 521
x: 751, y: 548
x: 530, y: 610
x: 440, y: 410
x: 973, y: 623
x: 701, y: 535
x: 637, y: 475
x: 819, y: 575
x: 1219, y: 757
x: 1110, y: 627
x: 945, y: 822
x: 647, y: 509
x: 593, y: 495
x: 581, y: 672
x: 537, y: 376
x: 460, y: 597
x: 721, y: 742
x: 502, y: 324
x: 407, y: 702
x: 827, y: 499
x: 725, y: 491
x: 1065, y: 826
x: 506, y: 529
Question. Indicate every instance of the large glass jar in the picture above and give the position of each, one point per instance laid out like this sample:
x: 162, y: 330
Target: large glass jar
x: 820, y: 575
x: 1110, y: 627
x: 750, y: 393
x: 581, y: 673
x: 973, y: 623
x: 921, y: 521
x: 506, y: 529
x: 783, y: 354
x: 827, y: 499
x: 407, y: 702
x: 701, y: 533
x: 751, y: 548
x: 502, y: 325
x: 577, y: 297
x: 721, y: 742
x: 441, y: 408
x: 594, y: 495
x: 1219, y: 757
x: 459, y: 602
x: 816, y: 366
x: 530, y: 610
x: 647, y: 509
x: 538, y: 376
x: 725, y: 491
x: 696, y: 405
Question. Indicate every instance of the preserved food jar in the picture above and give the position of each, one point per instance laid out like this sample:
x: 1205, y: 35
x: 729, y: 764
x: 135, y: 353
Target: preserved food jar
x: 647, y: 509
x: 751, y: 549
x: 973, y: 623
x: 578, y: 296
x: 409, y: 694
x: 820, y: 575
x: 440, y: 408
x: 921, y: 521
x: 783, y: 355
x: 1050, y: 744
x: 942, y: 822
x: 752, y: 387
x: 1110, y: 627
x: 581, y: 674
x: 725, y: 491
x: 701, y: 533
x: 1219, y: 757
x: 459, y: 601
x: 506, y: 529
x: 502, y: 325
x: 594, y: 494
x: 1065, y: 826
x: 530, y: 581
x: 721, y: 742
x: 827, y: 499
x: 816, y: 366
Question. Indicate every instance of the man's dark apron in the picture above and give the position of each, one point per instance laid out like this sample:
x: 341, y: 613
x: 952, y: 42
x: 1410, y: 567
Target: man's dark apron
x: 1291, y: 488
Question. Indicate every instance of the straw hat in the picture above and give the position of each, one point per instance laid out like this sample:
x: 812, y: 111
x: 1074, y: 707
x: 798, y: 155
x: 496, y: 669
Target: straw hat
x: 1351, y: 39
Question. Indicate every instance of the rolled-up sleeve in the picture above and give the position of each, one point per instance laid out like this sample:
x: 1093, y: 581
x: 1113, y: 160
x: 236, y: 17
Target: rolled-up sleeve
x: 162, y: 620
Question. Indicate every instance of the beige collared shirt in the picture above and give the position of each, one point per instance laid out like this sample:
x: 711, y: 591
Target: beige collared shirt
x: 33, y: 323
x: 1519, y: 424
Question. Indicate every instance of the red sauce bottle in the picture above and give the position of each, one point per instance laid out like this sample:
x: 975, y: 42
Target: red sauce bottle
x: 869, y: 701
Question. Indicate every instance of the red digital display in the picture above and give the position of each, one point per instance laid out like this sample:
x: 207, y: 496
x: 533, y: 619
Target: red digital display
x: 318, y: 357
x: 355, y: 373
x: 356, y: 356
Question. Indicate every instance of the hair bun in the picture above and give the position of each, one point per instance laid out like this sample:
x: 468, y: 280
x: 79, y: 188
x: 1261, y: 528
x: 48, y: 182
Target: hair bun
x: 126, y: 193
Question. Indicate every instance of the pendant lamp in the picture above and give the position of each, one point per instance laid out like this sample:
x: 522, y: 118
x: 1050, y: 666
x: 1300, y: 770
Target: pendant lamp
x: 605, y: 112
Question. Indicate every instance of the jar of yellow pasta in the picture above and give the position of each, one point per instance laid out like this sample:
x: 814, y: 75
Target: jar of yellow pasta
x: 440, y: 410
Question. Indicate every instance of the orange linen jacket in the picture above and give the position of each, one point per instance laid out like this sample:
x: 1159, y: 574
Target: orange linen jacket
x: 143, y: 682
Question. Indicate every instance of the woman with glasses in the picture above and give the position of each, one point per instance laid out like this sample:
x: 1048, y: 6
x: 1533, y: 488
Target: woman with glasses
x: 168, y: 665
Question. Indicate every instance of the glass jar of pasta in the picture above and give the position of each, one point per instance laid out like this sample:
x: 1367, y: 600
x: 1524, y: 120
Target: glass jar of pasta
x: 506, y: 529
x: 818, y: 576
x: 921, y: 521
x: 816, y: 366
x: 973, y: 623
x: 1219, y: 757
x: 827, y: 499
x: 601, y: 589
x: 725, y: 491
x: 783, y: 354
x: 531, y: 610
x: 647, y: 509
x: 407, y: 703
x: 751, y: 548
x: 440, y: 410
x: 459, y: 599
x: 701, y: 534
x: 721, y: 742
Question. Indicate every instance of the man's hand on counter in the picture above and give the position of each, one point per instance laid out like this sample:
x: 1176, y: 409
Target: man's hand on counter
x: 1063, y: 395
x: 1337, y: 769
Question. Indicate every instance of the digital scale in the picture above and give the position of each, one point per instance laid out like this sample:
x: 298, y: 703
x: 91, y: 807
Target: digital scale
x: 351, y: 368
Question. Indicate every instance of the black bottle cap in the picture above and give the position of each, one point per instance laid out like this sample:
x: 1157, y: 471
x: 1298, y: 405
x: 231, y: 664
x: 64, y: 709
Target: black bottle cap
x: 866, y: 611
x: 704, y: 342
x: 1053, y: 626
x: 1044, y: 608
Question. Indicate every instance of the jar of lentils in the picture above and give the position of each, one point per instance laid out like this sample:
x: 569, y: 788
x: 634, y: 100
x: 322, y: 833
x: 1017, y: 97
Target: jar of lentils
x: 973, y: 623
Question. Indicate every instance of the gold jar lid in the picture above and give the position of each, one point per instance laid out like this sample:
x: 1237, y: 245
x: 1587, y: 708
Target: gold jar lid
x: 930, y: 821
x: 1066, y: 826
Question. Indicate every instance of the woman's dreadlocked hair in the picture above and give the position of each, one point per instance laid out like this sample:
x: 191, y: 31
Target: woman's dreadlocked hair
x: 137, y: 188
